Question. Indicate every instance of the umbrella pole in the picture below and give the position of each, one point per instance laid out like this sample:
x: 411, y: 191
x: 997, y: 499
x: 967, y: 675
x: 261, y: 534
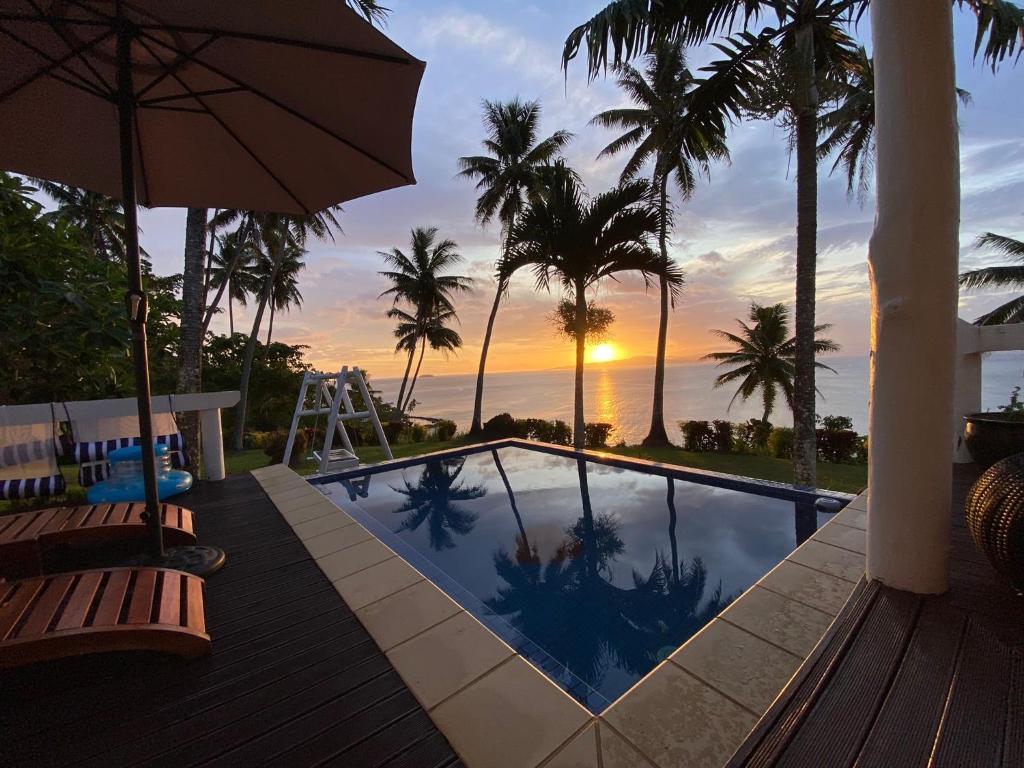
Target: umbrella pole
x: 135, y: 298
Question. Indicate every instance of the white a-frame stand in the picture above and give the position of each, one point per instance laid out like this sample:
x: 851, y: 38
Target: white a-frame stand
x: 337, y: 406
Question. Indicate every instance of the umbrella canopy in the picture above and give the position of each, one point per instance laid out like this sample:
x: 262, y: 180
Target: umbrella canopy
x: 257, y: 105
x: 262, y: 105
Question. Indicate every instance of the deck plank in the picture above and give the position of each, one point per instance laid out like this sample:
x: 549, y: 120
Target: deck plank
x: 292, y: 673
x: 950, y: 693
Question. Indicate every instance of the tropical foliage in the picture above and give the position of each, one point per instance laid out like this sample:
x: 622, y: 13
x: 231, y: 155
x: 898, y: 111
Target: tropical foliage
x: 506, y: 178
x: 764, y: 356
x: 434, y: 499
x: 662, y: 129
x: 1002, y: 277
x: 567, y: 238
x: 420, y: 281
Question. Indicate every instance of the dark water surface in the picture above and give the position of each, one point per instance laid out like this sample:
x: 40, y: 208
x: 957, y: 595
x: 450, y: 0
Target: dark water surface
x: 593, y: 572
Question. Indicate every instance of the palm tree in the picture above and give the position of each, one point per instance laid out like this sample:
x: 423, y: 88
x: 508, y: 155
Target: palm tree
x: 275, y: 233
x: 419, y: 280
x: 232, y: 273
x: 506, y: 177
x: 1008, y: 276
x: 98, y: 217
x: 849, y: 125
x: 682, y: 145
x: 435, y: 332
x: 284, y: 292
x: 432, y: 500
x: 765, y: 356
x: 565, y: 237
x: 795, y: 59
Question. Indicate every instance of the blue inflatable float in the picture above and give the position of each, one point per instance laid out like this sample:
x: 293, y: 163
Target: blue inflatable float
x: 125, y: 480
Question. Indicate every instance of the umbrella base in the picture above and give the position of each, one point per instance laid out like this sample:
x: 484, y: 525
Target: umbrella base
x: 198, y: 560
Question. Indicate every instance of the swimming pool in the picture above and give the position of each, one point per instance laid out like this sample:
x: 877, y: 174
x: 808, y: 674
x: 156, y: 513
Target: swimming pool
x: 594, y: 568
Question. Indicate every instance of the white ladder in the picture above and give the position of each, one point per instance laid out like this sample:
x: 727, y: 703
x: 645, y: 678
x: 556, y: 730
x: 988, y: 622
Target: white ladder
x: 338, y: 408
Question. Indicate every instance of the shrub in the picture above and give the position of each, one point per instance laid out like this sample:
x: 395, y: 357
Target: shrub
x: 780, y: 443
x: 275, y: 445
x: 595, y: 434
x: 561, y: 433
x: 254, y: 439
x: 697, y: 436
x: 861, y: 455
x: 394, y: 431
x: 418, y: 433
x: 444, y: 430
x: 752, y: 436
x: 836, y: 423
x: 723, y: 436
x: 836, y: 446
x: 502, y: 426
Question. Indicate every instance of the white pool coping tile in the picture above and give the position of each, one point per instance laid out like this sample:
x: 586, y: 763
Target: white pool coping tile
x: 693, y: 709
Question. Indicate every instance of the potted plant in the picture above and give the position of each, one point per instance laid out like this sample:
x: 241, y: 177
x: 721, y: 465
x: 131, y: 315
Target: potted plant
x: 996, y: 435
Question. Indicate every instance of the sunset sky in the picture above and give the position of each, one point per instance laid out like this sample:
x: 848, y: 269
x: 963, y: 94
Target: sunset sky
x: 735, y: 238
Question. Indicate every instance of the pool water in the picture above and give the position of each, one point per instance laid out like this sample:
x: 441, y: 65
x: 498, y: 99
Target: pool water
x: 595, y: 573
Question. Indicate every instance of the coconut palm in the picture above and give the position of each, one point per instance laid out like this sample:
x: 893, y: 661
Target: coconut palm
x: 275, y: 233
x: 784, y: 64
x: 98, y: 217
x: 682, y: 145
x: 566, y: 238
x: 432, y: 500
x: 284, y: 291
x: 505, y: 178
x: 849, y: 125
x: 232, y: 273
x: 765, y: 356
x: 420, y: 280
x: 413, y: 331
x: 1008, y: 276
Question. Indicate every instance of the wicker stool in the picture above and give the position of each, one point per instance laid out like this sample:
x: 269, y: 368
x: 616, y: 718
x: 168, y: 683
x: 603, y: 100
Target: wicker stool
x: 995, y: 517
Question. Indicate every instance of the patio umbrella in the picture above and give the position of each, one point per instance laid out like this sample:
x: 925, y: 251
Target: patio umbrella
x: 261, y: 105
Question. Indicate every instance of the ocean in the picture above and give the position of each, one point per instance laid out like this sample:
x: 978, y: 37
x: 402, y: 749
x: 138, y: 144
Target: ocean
x: 620, y: 394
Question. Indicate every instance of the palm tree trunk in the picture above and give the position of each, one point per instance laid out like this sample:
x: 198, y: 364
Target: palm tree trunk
x: 477, y: 427
x: 670, y: 498
x: 804, y: 450
x: 405, y: 379
x: 250, y: 349
x: 207, y: 276
x: 657, y: 437
x: 231, y: 313
x: 578, y: 425
x: 412, y: 384
x: 270, y: 327
x: 525, y: 543
x: 190, y: 352
x: 220, y: 291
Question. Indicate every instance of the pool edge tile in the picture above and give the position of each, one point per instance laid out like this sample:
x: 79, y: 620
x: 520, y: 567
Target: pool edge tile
x: 377, y: 582
x: 527, y: 727
x: 778, y: 619
x: 446, y: 658
x: 379, y: 617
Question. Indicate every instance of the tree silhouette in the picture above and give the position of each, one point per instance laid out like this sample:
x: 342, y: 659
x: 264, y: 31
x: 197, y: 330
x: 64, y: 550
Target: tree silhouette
x: 432, y: 500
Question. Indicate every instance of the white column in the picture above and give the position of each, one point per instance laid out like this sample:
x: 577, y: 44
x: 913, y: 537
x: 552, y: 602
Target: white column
x: 913, y: 269
x: 213, y: 444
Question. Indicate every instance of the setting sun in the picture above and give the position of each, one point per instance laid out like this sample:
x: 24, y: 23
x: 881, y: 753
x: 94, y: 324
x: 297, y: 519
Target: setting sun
x: 602, y: 353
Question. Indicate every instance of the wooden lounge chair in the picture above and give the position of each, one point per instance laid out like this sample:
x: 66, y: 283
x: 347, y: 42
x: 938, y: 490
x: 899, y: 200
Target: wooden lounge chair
x: 26, y: 538
x: 117, y: 609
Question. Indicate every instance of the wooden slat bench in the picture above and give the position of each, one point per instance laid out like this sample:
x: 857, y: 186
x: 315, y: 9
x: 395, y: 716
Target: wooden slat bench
x: 26, y: 537
x: 118, y: 609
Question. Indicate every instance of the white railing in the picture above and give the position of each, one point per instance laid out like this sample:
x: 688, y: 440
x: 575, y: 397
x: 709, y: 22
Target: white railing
x: 972, y: 342
x: 208, y: 404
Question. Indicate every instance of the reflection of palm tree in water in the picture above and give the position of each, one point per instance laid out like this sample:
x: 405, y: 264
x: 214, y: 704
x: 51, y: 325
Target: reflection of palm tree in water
x: 570, y: 607
x: 523, y: 544
x: 432, y: 500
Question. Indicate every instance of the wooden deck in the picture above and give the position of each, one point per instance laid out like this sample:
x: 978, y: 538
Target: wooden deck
x: 902, y: 680
x: 293, y: 680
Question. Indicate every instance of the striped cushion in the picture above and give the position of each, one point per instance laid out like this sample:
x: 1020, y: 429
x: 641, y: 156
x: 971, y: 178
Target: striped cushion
x: 93, y: 455
x: 30, y: 487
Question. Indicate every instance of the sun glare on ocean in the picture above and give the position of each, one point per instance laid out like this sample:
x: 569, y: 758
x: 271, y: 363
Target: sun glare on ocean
x: 602, y: 353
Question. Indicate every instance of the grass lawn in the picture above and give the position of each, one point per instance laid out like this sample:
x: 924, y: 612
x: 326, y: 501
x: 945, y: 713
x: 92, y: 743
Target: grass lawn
x: 850, y: 478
